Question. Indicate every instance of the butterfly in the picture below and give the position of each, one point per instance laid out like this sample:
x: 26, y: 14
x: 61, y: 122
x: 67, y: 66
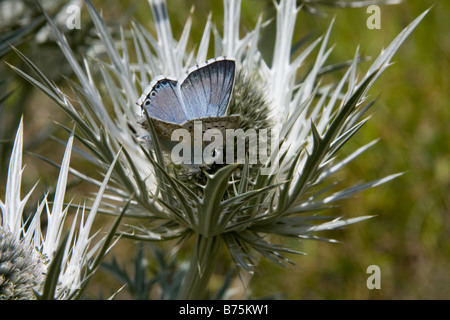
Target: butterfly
x: 202, y: 95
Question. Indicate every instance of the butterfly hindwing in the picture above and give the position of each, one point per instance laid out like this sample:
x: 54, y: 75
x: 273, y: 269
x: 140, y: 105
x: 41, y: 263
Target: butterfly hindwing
x: 164, y: 102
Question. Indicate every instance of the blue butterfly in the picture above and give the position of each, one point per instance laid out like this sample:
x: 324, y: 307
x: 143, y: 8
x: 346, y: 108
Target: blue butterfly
x: 203, y: 94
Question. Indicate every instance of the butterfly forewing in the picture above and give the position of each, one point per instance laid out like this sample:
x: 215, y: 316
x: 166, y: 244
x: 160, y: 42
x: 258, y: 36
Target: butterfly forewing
x: 207, y: 89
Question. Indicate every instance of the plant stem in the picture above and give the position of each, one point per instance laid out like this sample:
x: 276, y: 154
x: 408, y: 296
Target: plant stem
x: 201, y: 267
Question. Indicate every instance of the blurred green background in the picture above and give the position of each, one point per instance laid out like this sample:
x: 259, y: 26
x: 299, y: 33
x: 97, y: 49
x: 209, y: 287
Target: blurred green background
x: 408, y: 238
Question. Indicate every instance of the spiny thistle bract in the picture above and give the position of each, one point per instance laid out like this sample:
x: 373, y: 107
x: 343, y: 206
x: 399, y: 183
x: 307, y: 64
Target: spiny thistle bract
x: 280, y: 197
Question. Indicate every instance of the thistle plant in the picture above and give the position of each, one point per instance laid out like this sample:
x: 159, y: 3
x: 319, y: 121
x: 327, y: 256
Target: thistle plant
x: 46, y: 264
x: 235, y: 206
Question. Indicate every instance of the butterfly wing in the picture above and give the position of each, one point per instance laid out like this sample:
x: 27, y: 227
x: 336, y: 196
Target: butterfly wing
x: 163, y: 101
x: 206, y: 90
x: 220, y: 123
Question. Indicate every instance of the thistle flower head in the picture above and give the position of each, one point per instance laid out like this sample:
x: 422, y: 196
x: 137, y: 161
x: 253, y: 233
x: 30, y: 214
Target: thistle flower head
x: 21, y: 268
